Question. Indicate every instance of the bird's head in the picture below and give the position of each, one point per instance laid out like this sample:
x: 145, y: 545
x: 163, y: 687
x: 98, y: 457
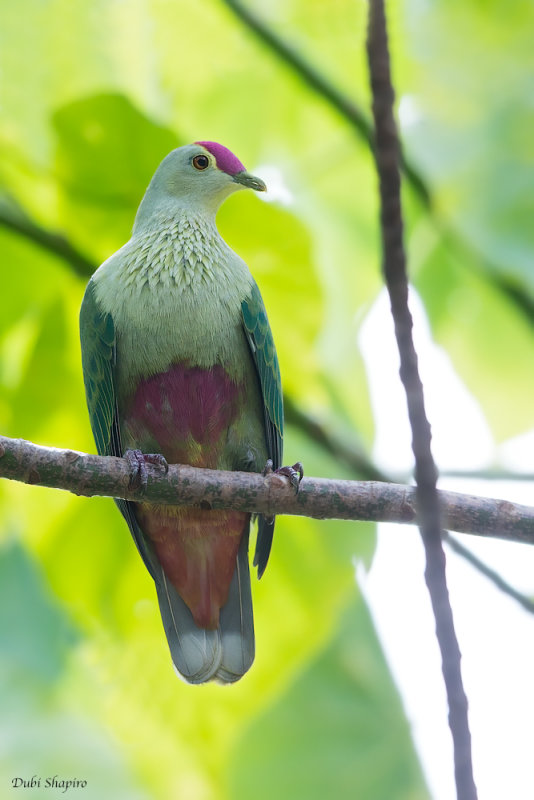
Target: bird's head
x: 199, y: 177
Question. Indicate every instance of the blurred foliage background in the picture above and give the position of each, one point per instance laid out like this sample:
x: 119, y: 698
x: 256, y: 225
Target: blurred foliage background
x: 93, y: 95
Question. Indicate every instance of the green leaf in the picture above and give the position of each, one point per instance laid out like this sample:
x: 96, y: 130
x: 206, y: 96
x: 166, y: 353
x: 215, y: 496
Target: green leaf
x: 283, y: 273
x: 107, y: 152
x: 488, y: 339
x: 337, y: 731
x: 36, y: 634
x: 470, y: 130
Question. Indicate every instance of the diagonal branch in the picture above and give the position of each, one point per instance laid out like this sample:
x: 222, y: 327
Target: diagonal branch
x: 320, y: 498
x: 516, y: 294
x: 429, y: 511
x: 498, y: 581
x: 317, y: 81
x: 13, y: 217
x: 348, y: 454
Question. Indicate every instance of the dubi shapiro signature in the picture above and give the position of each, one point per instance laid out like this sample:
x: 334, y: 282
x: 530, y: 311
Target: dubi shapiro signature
x: 54, y: 782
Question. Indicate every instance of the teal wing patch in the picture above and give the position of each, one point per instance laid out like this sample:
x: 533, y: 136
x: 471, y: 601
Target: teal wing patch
x: 261, y: 343
x: 97, y: 334
x: 263, y: 351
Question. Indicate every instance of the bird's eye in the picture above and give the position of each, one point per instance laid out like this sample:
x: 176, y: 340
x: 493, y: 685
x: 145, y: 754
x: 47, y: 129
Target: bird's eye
x: 201, y: 162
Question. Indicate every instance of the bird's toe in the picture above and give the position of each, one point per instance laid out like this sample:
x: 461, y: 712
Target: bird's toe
x: 294, y: 473
x: 137, y: 462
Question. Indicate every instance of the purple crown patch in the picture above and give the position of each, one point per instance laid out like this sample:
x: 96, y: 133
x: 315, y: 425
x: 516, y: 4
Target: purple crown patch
x: 225, y: 159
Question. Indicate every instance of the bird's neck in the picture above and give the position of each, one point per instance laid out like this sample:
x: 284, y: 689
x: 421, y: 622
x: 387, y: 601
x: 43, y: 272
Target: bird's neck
x: 158, y: 205
x: 178, y: 247
x: 181, y: 224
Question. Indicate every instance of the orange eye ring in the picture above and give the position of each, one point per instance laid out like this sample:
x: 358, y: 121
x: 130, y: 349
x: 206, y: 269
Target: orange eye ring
x: 201, y: 162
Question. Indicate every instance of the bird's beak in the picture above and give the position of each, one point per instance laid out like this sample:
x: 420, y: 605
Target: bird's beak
x: 250, y: 181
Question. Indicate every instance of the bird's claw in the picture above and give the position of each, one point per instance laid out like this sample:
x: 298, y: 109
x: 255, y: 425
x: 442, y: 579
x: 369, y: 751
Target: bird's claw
x: 137, y: 462
x: 294, y: 473
x: 268, y: 468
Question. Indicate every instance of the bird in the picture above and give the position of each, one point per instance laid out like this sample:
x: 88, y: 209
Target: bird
x: 180, y: 367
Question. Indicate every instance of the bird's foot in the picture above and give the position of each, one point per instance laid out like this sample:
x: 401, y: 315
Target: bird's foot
x: 138, y: 461
x: 294, y: 473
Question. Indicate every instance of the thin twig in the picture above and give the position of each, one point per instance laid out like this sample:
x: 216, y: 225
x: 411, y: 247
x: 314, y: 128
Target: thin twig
x: 490, y: 474
x: 320, y: 498
x: 429, y: 513
x: 506, y: 588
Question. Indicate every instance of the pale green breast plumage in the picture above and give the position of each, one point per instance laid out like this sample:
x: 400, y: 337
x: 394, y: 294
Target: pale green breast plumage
x: 140, y: 297
x: 175, y: 294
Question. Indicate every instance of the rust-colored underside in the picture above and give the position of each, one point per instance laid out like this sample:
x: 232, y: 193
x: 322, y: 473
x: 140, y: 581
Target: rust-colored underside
x: 185, y: 414
x: 198, y: 551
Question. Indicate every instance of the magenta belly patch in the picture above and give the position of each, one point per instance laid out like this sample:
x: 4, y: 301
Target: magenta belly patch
x: 186, y: 411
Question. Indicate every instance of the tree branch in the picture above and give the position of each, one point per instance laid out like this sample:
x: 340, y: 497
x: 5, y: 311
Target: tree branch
x: 315, y: 79
x: 387, y: 154
x: 15, y: 219
x: 320, y: 498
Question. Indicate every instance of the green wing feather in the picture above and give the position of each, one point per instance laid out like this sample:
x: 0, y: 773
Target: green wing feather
x: 97, y: 334
x: 261, y: 343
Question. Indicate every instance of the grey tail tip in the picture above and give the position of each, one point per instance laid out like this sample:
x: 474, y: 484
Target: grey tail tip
x: 223, y: 655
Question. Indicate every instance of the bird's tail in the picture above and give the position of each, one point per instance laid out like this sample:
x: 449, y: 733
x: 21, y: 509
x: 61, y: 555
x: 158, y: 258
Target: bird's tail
x: 223, y: 654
